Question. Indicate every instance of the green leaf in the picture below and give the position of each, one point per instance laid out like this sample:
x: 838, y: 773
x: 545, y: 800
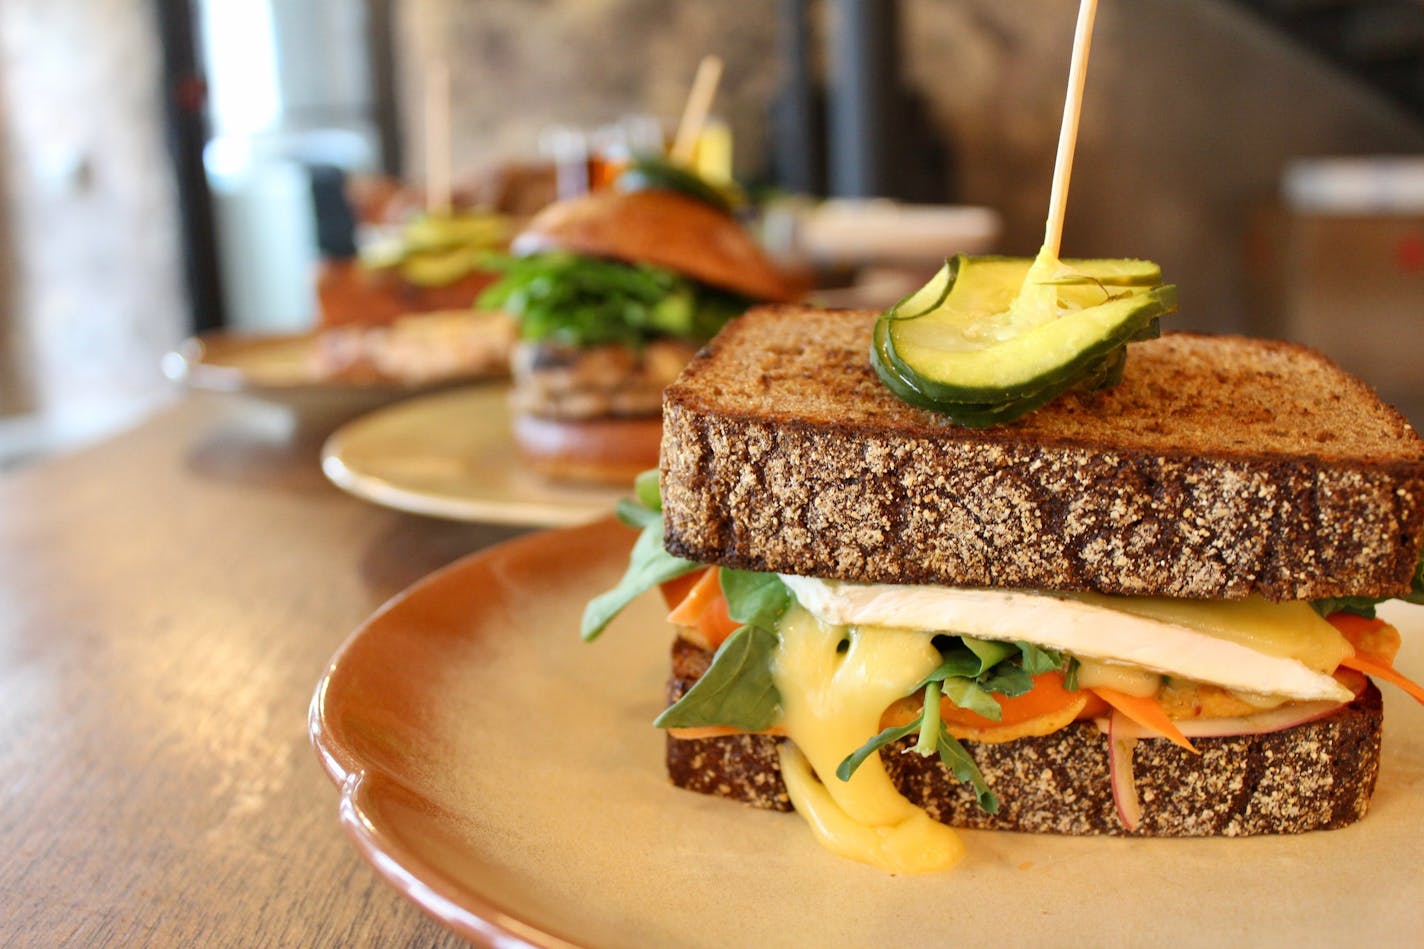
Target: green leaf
x: 758, y: 599
x: 1037, y: 660
x: 958, y: 761
x: 648, y: 490
x: 633, y: 514
x: 929, y: 737
x: 968, y: 694
x: 1070, y: 675
x: 648, y: 565
x: 856, y: 758
x: 990, y: 652
x: 736, y: 689
x: 1007, y: 678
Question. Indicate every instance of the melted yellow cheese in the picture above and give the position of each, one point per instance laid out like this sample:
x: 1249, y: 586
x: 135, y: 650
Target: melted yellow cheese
x: 834, y: 683
x: 1286, y: 630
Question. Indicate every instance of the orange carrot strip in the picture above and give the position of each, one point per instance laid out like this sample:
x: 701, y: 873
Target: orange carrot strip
x: 1145, y: 711
x: 1046, y: 696
x: 1374, y: 667
x: 715, y: 623
x: 696, y: 600
x: 674, y: 591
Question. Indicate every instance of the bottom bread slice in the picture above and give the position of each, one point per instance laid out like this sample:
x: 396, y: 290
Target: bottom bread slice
x: 1316, y: 776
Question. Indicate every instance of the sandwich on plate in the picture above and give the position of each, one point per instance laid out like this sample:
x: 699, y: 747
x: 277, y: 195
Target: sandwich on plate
x: 613, y: 292
x: 935, y: 568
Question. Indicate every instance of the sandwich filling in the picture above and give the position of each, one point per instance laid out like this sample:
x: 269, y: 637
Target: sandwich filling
x: 842, y: 670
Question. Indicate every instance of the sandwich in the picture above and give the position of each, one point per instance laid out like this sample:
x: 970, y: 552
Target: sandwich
x: 1140, y: 606
x: 613, y: 292
x: 403, y: 311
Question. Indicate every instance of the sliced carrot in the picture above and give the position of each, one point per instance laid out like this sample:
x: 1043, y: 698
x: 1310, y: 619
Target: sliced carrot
x: 690, y: 607
x: 1047, y: 696
x: 1371, y: 637
x: 674, y: 591
x: 715, y: 623
x: 1145, y: 711
x: 705, y: 607
x: 1383, y: 670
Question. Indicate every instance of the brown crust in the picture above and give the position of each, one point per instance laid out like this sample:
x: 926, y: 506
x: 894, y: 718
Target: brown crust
x: 663, y: 228
x: 1220, y: 467
x: 610, y: 451
x: 1317, y: 776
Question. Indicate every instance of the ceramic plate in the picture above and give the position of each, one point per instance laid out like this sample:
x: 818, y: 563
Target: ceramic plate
x: 275, y: 368
x: 450, y: 454
x: 504, y: 776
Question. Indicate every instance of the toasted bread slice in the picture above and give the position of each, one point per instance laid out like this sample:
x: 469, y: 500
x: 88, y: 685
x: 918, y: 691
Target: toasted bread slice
x: 1315, y: 776
x: 1219, y: 467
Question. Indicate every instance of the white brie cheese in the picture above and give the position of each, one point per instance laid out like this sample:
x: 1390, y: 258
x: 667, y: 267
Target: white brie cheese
x: 1082, y: 628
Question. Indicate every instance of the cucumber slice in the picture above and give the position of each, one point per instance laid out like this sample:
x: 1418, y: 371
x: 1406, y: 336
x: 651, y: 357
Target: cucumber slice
x: 1104, y: 372
x: 975, y: 348
x: 653, y: 172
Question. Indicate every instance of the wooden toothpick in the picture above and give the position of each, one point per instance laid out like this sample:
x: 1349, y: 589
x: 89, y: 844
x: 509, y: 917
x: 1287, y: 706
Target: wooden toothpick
x: 1068, y: 133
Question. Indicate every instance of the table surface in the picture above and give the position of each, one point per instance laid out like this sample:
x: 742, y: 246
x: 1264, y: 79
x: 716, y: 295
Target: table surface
x: 168, y: 601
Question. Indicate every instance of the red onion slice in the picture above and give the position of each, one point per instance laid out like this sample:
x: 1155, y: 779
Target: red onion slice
x: 1124, y: 787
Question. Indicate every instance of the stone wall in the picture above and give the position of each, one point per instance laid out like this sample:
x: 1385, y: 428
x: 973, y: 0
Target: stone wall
x: 90, y: 265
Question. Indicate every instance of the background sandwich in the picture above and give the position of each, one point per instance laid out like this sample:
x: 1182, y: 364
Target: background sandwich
x: 613, y: 292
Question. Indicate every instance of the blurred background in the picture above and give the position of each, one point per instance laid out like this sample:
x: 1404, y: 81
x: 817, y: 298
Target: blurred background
x: 170, y: 167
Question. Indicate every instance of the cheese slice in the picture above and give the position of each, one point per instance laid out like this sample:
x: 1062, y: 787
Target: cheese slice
x: 1256, y: 647
x: 834, y: 684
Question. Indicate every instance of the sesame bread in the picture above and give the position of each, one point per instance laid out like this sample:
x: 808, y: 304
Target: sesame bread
x: 1219, y: 467
x: 1315, y: 776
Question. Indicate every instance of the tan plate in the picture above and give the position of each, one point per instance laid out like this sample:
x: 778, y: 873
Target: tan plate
x: 450, y: 454
x: 504, y: 776
x: 274, y: 368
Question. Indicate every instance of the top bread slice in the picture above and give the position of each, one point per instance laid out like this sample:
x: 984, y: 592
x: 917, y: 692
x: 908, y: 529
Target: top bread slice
x: 1220, y: 467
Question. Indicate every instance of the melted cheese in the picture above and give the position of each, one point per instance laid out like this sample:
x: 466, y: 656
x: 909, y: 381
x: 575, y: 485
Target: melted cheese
x: 1256, y: 647
x: 832, y: 699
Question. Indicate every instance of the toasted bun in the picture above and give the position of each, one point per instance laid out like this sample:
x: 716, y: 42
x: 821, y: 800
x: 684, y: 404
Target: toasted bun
x: 662, y: 228
x: 599, y: 451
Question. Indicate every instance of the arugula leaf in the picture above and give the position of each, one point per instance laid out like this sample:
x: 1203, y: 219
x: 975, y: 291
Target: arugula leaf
x: 968, y: 694
x: 990, y: 652
x: 1007, y: 678
x: 648, y: 490
x: 587, y: 301
x: 1070, y: 675
x: 736, y: 689
x: 758, y: 599
x: 648, y: 565
x: 958, y: 761
x: 934, y: 737
x: 633, y: 514
x: 856, y: 758
x: 1036, y: 660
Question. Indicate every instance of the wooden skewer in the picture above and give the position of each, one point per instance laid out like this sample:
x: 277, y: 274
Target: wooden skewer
x: 694, y: 114
x: 1068, y: 133
x: 438, y: 187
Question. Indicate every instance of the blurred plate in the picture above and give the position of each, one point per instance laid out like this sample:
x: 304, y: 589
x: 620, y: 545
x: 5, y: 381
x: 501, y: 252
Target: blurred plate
x: 277, y: 368
x: 450, y: 454
x: 880, y: 231
x: 506, y: 778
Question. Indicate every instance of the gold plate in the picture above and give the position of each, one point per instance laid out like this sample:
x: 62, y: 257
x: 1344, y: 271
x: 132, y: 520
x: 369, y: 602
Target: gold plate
x: 450, y: 454
x: 504, y: 776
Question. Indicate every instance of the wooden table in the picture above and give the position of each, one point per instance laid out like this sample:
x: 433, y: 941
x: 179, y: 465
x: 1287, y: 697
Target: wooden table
x: 168, y: 600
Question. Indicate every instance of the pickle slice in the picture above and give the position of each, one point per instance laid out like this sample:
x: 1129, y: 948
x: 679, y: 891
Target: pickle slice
x: 967, y: 346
